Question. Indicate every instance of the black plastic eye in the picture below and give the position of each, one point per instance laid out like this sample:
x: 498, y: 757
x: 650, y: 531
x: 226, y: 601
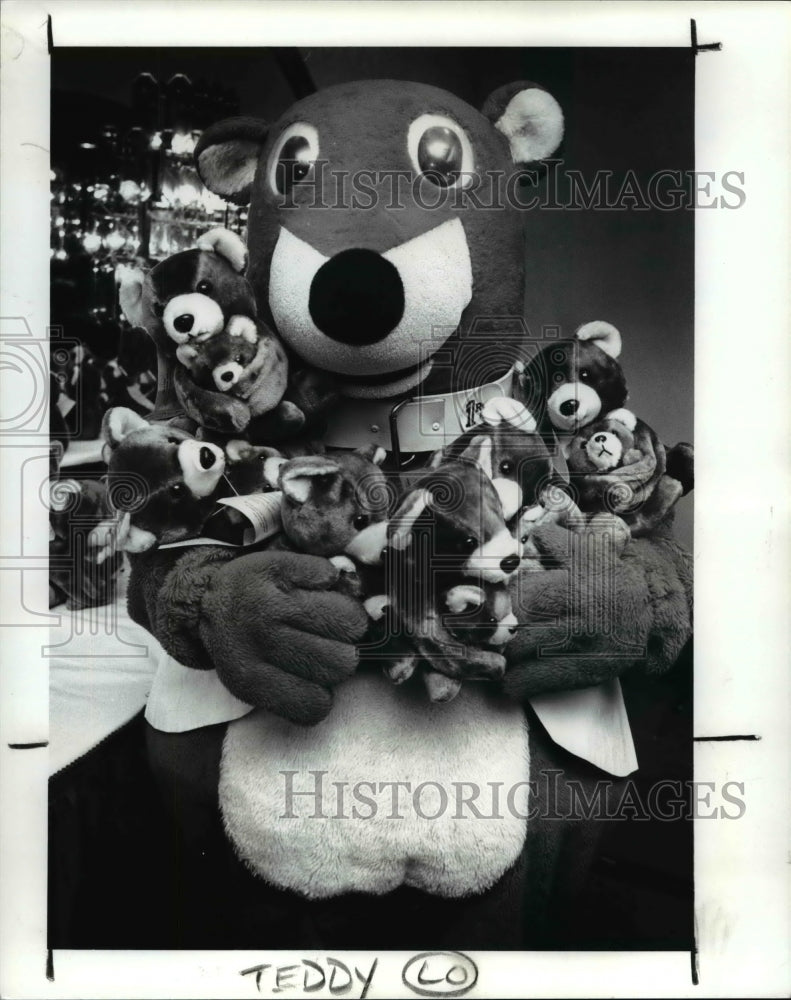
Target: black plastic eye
x: 361, y: 521
x: 294, y: 163
x: 506, y: 467
x: 492, y: 620
x: 238, y: 359
x: 205, y: 287
x: 178, y: 491
x: 584, y: 374
x: 159, y: 309
x: 439, y: 155
x: 524, y: 539
x: 469, y: 544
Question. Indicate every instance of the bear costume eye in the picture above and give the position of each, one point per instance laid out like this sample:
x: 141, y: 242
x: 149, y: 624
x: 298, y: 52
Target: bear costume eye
x: 293, y: 157
x: 439, y: 155
x: 205, y: 287
x: 361, y: 521
x: 440, y: 151
x: 506, y: 467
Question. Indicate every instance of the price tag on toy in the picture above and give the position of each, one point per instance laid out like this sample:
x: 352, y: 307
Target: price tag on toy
x: 246, y: 520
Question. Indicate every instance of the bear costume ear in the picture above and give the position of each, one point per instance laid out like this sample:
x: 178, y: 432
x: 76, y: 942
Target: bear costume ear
x: 226, y: 157
x: 604, y: 334
x: 118, y: 423
x: 529, y: 117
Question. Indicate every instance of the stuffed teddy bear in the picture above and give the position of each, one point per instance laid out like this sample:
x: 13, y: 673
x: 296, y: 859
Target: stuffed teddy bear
x: 390, y: 303
x: 200, y: 311
x: 618, y: 464
x: 568, y: 385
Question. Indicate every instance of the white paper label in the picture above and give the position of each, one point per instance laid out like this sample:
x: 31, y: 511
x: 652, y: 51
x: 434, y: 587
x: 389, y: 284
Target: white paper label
x: 262, y: 510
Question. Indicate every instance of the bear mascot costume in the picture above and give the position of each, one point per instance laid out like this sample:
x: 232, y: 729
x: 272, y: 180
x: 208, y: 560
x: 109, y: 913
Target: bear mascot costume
x: 318, y: 804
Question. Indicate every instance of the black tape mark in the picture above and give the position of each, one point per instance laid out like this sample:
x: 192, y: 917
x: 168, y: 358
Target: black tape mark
x: 50, y: 966
x: 723, y: 739
x: 708, y: 47
x: 50, y: 43
x: 27, y: 746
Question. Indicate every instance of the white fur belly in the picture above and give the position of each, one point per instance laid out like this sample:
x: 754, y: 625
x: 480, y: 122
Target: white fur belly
x: 377, y: 733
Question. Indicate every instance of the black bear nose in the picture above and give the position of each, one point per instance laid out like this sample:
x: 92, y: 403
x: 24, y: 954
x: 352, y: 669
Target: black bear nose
x: 600, y: 438
x: 184, y: 322
x: 207, y: 457
x: 569, y: 407
x: 227, y: 376
x: 357, y: 297
x: 509, y: 564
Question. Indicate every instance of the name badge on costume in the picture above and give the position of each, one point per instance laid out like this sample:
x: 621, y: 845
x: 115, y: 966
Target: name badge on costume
x: 592, y: 724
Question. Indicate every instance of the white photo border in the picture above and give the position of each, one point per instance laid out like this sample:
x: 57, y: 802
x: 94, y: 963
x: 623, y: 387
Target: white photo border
x: 741, y: 522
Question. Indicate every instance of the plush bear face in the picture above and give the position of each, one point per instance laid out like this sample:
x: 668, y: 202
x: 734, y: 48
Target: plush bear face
x: 191, y: 295
x: 381, y: 228
x: 219, y: 362
x: 570, y: 383
x: 481, y: 616
x: 605, y: 444
x: 165, y: 480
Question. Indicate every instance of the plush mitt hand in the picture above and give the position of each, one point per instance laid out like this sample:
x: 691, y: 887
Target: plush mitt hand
x: 278, y: 636
x: 607, y: 605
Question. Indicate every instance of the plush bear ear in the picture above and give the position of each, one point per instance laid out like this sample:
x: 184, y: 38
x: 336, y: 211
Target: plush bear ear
x: 298, y: 476
x: 226, y: 157
x: 604, y: 334
x: 504, y: 408
x: 623, y: 416
x: 118, y: 423
x: 227, y: 244
x: 464, y: 596
x: 400, y: 529
x: 130, y: 293
x: 529, y: 117
x: 373, y: 452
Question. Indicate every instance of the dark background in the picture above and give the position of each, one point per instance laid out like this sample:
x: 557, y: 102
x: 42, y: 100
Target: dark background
x: 626, y: 109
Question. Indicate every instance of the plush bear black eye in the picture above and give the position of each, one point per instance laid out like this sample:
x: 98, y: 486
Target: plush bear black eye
x: 238, y: 359
x: 439, y: 155
x: 492, y: 620
x: 361, y: 521
x: 468, y: 544
x: 178, y: 491
x: 584, y: 374
x: 524, y: 539
x: 159, y: 309
x: 205, y: 287
x: 506, y: 467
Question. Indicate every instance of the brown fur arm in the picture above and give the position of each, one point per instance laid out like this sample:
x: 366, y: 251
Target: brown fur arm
x: 598, y: 614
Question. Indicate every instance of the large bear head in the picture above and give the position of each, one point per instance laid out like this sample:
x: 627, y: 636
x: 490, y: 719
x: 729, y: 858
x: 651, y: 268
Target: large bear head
x: 385, y: 236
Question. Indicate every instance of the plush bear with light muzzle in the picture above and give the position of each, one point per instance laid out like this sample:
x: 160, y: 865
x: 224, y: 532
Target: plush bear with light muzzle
x: 161, y: 480
x: 618, y: 464
x: 570, y: 383
x: 228, y: 369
